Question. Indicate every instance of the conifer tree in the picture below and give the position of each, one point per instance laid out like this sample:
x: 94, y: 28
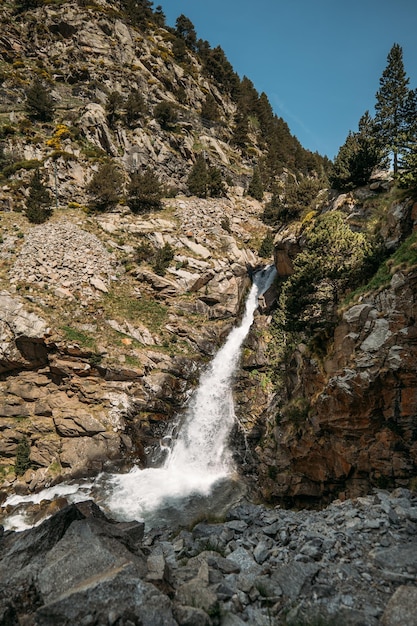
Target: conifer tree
x: 105, y: 187
x: 179, y: 50
x: 198, y: 180
x: 332, y: 259
x: 185, y: 29
x: 391, y: 106
x: 408, y: 176
x: 135, y: 107
x: 144, y: 192
x: 166, y: 114
x: 210, y: 109
x: 255, y: 188
x: 240, y: 131
x: 357, y: 158
x: 39, y: 201
x: 216, y: 188
x: 139, y: 12
x: 39, y: 102
x: 114, y: 103
x: 159, y: 16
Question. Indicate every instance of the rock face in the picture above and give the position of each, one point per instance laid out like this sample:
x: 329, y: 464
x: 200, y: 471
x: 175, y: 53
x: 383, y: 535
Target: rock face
x: 351, y: 423
x: 352, y: 563
x: 98, y: 351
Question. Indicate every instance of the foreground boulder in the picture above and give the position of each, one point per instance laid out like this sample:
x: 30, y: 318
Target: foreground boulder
x: 354, y: 563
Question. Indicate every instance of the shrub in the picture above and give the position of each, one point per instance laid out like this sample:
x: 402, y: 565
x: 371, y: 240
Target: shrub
x: 166, y: 114
x: 22, y: 457
x: 225, y: 224
x: 162, y: 259
x: 144, y: 252
x: 267, y: 246
x: 39, y: 102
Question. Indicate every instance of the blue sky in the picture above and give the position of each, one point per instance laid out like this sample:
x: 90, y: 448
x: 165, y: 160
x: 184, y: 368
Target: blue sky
x: 318, y: 61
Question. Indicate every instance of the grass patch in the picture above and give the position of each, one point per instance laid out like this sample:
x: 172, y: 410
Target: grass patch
x: 77, y: 336
x: 146, y: 310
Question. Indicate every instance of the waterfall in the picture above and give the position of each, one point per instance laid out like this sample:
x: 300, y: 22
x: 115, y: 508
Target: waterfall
x: 197, y: 461
x: 199, y: 458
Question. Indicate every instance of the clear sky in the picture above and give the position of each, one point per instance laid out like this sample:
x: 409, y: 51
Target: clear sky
x: 318, y: 61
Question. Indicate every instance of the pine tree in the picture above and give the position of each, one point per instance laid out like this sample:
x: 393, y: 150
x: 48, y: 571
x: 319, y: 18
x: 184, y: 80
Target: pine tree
x: 210, y: 109
x: 39, y: 102
x: 198, y: 180
x: 185, y: 29
x: 274, y: 209
x: 179, y: 50
x: 166, y: 114
x: 255, y: 188
x: 391, y: 106
x: 357, y: 158
x: 139, y: 12
x: 408, y: 176
x: 332, y: 260
x: 216, y: 188
x: 105, y: 187
x: 38, y: 203
x: 135, y: 107
x: 159, y: 17
x: 23, y: 462
x: 144, y: 192
x: 218, y: 66
x: 240, y: 131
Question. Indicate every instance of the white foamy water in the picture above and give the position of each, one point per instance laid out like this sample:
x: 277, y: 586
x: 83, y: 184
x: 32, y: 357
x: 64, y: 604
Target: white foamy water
x: 199, y: 458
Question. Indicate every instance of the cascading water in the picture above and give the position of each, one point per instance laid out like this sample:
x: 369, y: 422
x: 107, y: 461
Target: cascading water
x: 199, y: 459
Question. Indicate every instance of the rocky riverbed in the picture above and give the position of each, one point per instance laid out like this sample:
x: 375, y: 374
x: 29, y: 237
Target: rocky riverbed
x: 353, y: 563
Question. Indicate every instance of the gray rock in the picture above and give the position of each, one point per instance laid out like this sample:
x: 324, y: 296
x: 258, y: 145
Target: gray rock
x: 244, y: 559
x: 136, y: 600
x: 292, y: 578
x: 190, y: 616
x: 262, y: 552
x: 401, y: 609
x: 88, y: 552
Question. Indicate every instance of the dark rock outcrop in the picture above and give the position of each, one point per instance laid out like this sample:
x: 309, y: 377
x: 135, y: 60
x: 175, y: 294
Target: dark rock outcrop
x: 352, y: 563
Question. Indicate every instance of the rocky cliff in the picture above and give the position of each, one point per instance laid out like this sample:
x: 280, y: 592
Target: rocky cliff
x: 98, y: 351
x: 349, y: 420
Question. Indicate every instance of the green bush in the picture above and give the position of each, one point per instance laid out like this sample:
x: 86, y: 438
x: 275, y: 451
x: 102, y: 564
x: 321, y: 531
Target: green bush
x: 22, y: 457
x: 166, y: 114
x: 162, y: 258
